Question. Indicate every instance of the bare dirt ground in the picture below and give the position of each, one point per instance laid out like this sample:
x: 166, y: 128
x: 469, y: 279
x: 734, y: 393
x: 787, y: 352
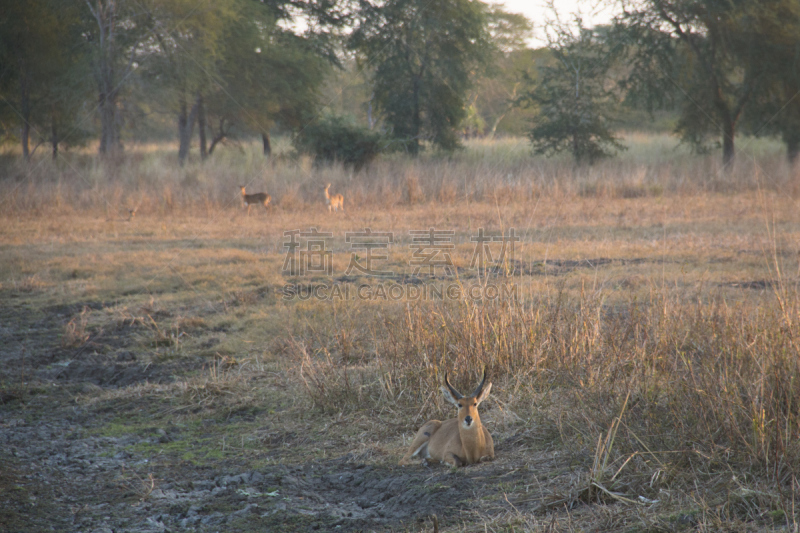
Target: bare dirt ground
x: 150, y: 379
x: 75, y: 459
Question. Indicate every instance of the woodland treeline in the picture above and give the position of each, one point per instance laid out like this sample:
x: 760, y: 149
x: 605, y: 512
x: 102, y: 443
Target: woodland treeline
x: 393, y: 74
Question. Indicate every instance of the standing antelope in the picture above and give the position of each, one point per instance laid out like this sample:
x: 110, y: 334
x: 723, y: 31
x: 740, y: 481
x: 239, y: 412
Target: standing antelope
x: 258, y: 198
x: 459, y: 441
x: 334, y: 202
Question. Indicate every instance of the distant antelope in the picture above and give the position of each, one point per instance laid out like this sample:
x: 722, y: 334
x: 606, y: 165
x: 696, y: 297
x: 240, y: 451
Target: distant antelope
x: 258, y: 198
x: 334, y: 202
x: 459, y: 441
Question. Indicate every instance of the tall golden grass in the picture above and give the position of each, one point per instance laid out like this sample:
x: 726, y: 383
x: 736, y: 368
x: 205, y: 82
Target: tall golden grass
x: 708, y: 382
x: 148, y: 177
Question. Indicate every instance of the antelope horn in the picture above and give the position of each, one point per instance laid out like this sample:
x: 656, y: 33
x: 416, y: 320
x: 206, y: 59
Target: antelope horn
x: 457, y: 395
x: 480, y: 387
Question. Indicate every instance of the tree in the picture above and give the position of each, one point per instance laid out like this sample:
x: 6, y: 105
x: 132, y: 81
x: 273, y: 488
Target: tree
x: 708, y: 49
x: 574, y: 97
x: 237, y: 66
x: 347, y: 92
x: 267, y: 75
x: 40, y: 81
x: 496, y: 91
x: 186, y: 46
x: 114, y: 30
x: 776, y: 106
x: 421, y: 55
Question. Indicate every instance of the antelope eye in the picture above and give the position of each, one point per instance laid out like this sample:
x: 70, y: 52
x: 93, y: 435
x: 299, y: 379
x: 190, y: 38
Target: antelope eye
x: 460, y: 405
x: 476, y: 403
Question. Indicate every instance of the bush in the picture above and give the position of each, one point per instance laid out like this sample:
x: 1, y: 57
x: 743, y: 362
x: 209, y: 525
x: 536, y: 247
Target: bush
x: 335, y: 138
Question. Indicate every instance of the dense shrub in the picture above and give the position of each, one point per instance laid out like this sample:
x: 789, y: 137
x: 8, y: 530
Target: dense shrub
x: 338, y: 139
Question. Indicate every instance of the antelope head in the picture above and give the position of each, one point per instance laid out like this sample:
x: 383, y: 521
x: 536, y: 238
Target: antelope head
x: 458, y: 441
x: 468, y: 417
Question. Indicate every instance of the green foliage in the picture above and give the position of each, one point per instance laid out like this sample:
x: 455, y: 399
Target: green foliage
x: 496, y: 89
x: 42, y: 81
x: 234, y: 68
x: 575, y: 105
x: 423, y: 54
x: 775, y: 109
x: 337, y: 139
x: 705, y: 56
x: 267, y: 75
x: 430, y: 71
x: 473, y: 124
x: 347, y: 91
x: 113, y: 33
x: 509, y: 32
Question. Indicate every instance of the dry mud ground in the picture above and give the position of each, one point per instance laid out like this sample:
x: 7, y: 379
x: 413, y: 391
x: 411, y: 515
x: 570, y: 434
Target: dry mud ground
x: 88, y: 444
x: 143, y: 386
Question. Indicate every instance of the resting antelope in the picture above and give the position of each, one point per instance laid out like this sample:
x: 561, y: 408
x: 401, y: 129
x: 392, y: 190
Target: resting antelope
x: 459, y: 441
x: 258, y: 198
x: 334, y: 202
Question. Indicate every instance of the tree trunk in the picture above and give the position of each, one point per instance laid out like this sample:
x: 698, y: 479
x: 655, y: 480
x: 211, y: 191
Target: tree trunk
x: 25, y: 105
x: 218, y: 136
x: 416, y: 121
x: 106, y: 124
x: 266, y: 142
x: 185, y: 129
x: 201, y: 125
x: 496, y: 123
x: 576, y: 147
x: 370, y: 121
x: 105, y: 13
x: 728, y: 132
x: 182, y: 120
x: 728, y: 119
x: 54, y: 135
x: 216, y: 139
x: 109, y: 118
x: 511, y: 99
x: 109, y: 127
x: 792, y: 147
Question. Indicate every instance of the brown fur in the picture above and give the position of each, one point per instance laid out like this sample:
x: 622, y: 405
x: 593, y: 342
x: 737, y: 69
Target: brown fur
x: 333, y: 201
x: 452, y: 441
x: 257, y: 198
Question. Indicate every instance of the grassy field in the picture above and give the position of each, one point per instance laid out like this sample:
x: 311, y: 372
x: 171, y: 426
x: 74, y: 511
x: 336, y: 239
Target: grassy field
x: 162, y: 372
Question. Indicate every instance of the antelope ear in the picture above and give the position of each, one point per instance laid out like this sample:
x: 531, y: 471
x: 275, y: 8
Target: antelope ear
x: 449, y: 396
x: 484, y: 393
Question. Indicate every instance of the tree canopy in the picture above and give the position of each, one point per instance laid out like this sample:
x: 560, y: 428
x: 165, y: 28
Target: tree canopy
x: 704, y: 55
x: 223, y: 66
x: 576, y: 104
x: 41, y: 74
x: 423, y: 73
x: 421, y: 55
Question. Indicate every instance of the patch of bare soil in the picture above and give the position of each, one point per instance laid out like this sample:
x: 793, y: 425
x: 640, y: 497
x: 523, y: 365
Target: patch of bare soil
x: 58, y: 473
x: 59, y: 477
x: 324, y: 495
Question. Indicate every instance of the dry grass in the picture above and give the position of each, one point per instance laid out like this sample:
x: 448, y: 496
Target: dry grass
x: 146, y: 179
x: 653, y: 338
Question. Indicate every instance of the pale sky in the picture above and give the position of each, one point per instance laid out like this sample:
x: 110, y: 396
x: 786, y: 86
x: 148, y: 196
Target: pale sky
x: 538, y: 12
